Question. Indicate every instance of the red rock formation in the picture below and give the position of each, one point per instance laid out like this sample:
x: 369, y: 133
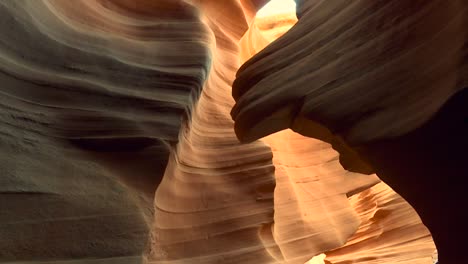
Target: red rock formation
x: 92, y: 96
x: 373, y: 75
x: 105, y: 101
x: 217, y: 194
x: 311, y: 183
x: 386, y: 47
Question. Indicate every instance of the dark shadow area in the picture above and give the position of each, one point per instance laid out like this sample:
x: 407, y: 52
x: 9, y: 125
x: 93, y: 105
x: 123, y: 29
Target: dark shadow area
x: 429, y: 167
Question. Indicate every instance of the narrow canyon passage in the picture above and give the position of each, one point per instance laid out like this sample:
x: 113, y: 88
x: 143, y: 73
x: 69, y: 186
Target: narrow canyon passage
x: 384, y: 86
x: 234, y: 131
x: 318, y: 205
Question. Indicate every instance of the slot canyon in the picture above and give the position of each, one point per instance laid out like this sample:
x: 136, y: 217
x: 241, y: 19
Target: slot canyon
x: 233, y: 131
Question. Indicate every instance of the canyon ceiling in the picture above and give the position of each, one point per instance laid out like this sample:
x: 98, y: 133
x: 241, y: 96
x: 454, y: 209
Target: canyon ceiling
x: 192, y: 131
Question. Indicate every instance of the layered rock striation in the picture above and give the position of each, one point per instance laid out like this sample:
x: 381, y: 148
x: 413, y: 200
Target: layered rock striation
x: 121, y: 120
x: 93, y: 95
x: 383, y: 83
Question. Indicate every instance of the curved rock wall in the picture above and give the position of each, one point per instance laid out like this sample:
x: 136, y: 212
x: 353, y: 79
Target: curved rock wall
x: 320, y: 207
x: 217, y: 194
x: 93, y: 93
x: 355, y: 66
x: 383, y: 83
x: 105, y: 101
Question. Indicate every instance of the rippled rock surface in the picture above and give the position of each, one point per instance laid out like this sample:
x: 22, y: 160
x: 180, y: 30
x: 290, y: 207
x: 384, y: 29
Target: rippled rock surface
x: 121, y: 120
x: 93, y: 96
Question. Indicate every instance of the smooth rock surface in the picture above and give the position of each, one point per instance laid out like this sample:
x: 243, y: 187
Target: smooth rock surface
x: 385, y: 84
x: 93, y: 94
x: 117, y: 143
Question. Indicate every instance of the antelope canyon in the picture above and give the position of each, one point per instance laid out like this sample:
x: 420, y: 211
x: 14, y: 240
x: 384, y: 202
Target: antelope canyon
x: 233, y: 131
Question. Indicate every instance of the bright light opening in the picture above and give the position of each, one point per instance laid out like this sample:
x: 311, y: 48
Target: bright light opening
x: 277, y: 7
x: 320, y: 259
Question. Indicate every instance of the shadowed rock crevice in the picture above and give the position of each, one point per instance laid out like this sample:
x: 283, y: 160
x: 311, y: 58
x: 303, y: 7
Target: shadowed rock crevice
x: 120, y: 123
x: 382, y: 82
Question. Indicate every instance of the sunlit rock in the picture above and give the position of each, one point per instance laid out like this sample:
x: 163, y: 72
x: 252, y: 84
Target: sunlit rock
x: 121, y: 122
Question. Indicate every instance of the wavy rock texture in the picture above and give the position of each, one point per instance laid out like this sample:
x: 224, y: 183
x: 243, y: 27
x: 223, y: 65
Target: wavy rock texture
x: 318, y: 204
x: 103, y: 101
x: 339, y: 50
x: 390, y: 231
x: 93, y: 93
x: 383, y: 82
x: 216, y: 194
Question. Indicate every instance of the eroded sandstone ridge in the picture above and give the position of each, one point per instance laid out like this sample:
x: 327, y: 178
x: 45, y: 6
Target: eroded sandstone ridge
x: 117, y: 143
x: 384, y: 83
x: 92, y: 95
